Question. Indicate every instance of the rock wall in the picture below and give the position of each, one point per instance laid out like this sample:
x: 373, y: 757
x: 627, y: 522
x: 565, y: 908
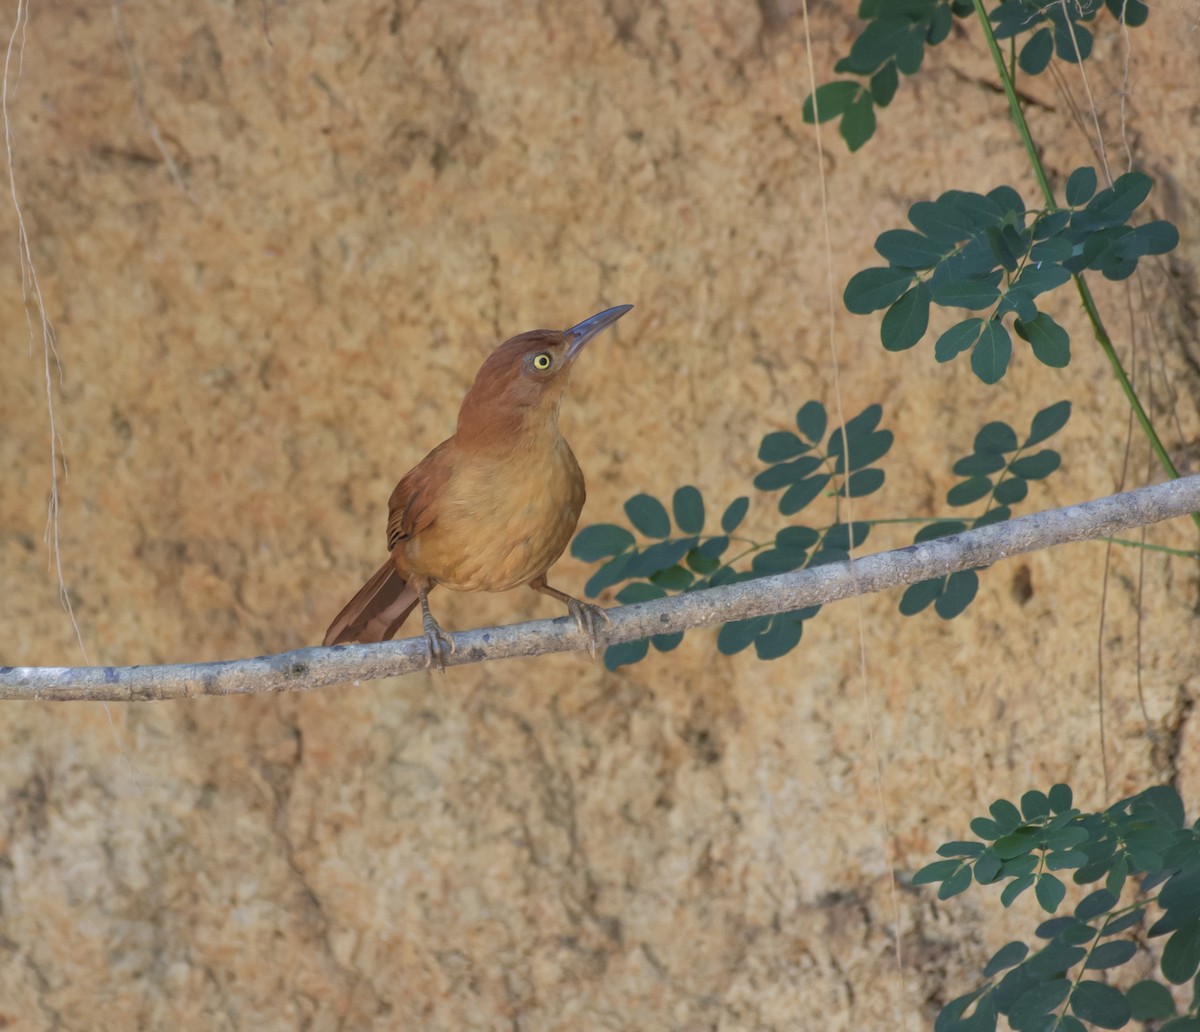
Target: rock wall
x: 275, y: 241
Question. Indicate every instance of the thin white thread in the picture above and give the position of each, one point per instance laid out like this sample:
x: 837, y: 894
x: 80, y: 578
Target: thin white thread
x: 862, y: 642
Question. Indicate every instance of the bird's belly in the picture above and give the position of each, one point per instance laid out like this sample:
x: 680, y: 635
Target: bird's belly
x: 500, y: 525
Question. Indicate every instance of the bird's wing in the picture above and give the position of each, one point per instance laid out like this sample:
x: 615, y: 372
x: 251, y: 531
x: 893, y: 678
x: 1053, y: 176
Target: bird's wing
x: 413, y: 505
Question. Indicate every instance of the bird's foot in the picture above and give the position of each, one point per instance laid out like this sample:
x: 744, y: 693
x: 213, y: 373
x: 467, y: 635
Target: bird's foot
x: 438, y: 643
x: 587, y: 618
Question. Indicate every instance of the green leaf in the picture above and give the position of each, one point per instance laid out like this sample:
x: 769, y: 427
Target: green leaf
x: 1115, y: 881
x: 639, y: 591
x: 625, y: 653
x: 963, y: 847
x: 1037, y: 279
x: 872, y: 289
x: 688, y: 506
x: 996, y: 437
x: 715, y: 547
x: 1111, y: 954
x: 989, y: 359
x: 831, y: 100
x: 812, y: 421
x: 880, y: 40
x: 780, y: 446
x: 1162, y: 804
x: 1081, y: 185
x: 1066, y: 860
x: 799, y: 495
x: 1120, y: 200
x: 838, y: 536
x: 1072, y: 46
x: 858, y: 123
x: 734, y: 514
x: 996, y: 515
x: 600, y: 541
x: 1045, y: 424
x: 863, y: 482
x: 1077, y: 933
x: 667, y: 642
x: 784, y: 474
x: 986, y: 828
x: 920, y: 596
x: 939, y: 529
x: 911, y: 51
x: 656, y: 557
x: 979, y: 465
x: 1039, y: 1000
x: 1102, y: 1005
x: 1132, y: 12
x: 988, y: 867
x: 1053, y: 249
x: 1009, y: 202
x: 1157, y: 237
x: 783, y: 636
x: 1036, y: 466
x: 1018, y: 301
x: 1050, y: 342
x: 972, y: 294
x: 1016, y: 843
x: 941, y: 222
x: 959, y: 592
x: 1036, y: 53
x: 940, y: 24
x: 736, y: 636
x: 884, y: 84
x: 957, y: 339
x: 1050, y: 892
x: 1034, y: 804
x: 1056, y: 958
x: 958, y: 882
x: 969, y: 491
x: 1005, y: 957
x: 1149, y: 1000
x: 1009, y: 492
x: 648, y: 515
x: 1001, y: 250
x: 612, y: 572
x: 907, y: 320
x: 797, y: 537
x: 1014, y: 888
x: 1181, y: 955
x: 866, y: 443
x: 674, y: 578
x: 908, y: 250
x: 1185, y: 1024
x: 777, y: 560
x: 1060, y: 795
x: 1051, y: 224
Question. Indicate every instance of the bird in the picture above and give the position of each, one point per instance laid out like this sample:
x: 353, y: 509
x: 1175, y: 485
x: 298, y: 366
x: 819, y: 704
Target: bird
x: 493, y: 506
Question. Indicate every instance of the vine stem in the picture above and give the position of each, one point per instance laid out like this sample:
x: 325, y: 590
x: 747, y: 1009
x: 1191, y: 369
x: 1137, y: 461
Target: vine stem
x: 1085, y: 293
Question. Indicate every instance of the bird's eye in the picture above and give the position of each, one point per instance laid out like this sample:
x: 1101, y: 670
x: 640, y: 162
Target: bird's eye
x: 542, y: 360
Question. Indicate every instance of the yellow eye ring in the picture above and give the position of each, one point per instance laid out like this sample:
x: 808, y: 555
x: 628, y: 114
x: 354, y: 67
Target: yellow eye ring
x: 541, y: 361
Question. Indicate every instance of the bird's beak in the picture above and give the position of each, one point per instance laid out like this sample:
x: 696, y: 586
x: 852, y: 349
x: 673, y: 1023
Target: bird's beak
x: 578, y: 336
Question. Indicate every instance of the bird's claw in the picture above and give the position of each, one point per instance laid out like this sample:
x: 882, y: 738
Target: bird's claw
x: 586, y: 617
x: 438, y: 645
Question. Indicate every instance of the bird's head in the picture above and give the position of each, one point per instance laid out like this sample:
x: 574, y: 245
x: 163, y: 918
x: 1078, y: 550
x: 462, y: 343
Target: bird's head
x: 521, y: 383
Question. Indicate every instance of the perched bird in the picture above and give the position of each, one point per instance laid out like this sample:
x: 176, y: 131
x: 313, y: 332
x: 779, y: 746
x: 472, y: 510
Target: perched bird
x: 492, y: 507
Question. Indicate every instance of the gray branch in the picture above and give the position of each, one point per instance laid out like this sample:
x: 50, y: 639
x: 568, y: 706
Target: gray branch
x: 309, y: 668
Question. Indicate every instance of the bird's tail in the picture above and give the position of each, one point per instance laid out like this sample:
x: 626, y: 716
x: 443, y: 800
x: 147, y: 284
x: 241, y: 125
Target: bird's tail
x: 376, y: 612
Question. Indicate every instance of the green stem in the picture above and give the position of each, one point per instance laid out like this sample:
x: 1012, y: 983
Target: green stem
x: 1085, y: 294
